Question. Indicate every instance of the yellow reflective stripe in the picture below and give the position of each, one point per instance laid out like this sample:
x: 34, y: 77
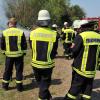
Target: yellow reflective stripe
x: 12, y: 32
x: 90, y: 72
x: 84, y: 73
x: 34, y: 50
x: 42, y: 66
x: 71, y: 96
x: 97, y: 57
x: 86, y: 96
x: 19, y: 43
x: 50, y: 46
x: 84, y: 58
x: 5, y: 81
x: 7, y: 43
x: 43, y: 34
x: 43, y: 63
x: 17, y: 55
x: 14, y: 54
x: 18, y: 81
x: 66, y: 37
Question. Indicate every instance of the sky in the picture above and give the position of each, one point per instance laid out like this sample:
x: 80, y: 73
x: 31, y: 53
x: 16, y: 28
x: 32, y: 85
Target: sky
x: 91, y: 7
x: 3, y: 18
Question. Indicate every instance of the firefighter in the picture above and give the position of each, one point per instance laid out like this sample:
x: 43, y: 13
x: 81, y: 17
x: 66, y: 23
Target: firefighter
x: 76, y: 26
x: 68, y: 36
x: 44, y: 45
x: 55, y: 28
x: 86, y: 48
x: 13, y: 46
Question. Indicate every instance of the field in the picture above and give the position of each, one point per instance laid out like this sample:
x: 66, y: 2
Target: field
x: 61, y: 79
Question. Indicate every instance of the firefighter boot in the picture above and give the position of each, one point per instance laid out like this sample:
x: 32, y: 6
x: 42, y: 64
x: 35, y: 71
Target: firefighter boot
x: 20, y: 87
x: 84, y: 98
x: 5, y: 86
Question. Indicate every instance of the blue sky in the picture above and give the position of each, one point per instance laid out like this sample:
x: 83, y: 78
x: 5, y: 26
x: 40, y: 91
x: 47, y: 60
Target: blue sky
x: 91, y: 7
x: 3, y: 18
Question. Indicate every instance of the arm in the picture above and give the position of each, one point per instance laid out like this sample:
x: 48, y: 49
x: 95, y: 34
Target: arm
x: 3, y: 44
x: 24, y: 43
x: 73, y: 36
x: 76, y: 46
x: 54, y: 50
x: 63, y: 36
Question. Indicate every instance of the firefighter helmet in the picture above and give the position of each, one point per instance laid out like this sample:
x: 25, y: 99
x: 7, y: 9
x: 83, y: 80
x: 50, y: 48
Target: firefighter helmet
x: 43, y: 15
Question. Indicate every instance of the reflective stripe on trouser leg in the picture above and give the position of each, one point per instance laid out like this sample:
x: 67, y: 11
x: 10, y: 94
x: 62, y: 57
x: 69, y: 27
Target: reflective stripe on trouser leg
x: 5, y: 81
x: 86, y: 96
x: 18, y: 82
x: 19, y: 69
x: 71, y: 96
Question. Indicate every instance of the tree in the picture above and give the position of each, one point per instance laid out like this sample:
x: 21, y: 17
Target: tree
x: 26, y: 11
x: 77, y: 12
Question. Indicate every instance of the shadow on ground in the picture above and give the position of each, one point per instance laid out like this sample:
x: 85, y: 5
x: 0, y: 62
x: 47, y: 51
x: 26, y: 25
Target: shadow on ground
x: 58, y: 98
x: 96, y: 92
x: 96, y: 83
x: 96, y: 95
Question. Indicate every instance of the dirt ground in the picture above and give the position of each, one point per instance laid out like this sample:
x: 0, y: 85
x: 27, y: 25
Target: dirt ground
x: 61, y: 80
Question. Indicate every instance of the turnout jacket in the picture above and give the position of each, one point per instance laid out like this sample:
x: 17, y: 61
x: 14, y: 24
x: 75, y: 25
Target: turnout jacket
x: 13, y: 42
x: 68, y: 35
x: 44, y: 45
x: 86, y: 53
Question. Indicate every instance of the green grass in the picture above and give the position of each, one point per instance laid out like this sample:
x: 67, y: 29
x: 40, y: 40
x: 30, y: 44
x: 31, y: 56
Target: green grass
x: 2, y: 59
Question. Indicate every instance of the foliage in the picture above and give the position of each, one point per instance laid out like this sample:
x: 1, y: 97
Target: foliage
x: 26, y: 11
x: 76, y: 12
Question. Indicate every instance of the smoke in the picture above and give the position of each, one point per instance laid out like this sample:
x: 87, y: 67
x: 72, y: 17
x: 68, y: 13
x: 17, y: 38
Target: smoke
x: 3, y: 18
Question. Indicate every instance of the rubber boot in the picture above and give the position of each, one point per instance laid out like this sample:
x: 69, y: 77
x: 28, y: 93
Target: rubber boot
x: 20, y: 87
x: 5, y: 86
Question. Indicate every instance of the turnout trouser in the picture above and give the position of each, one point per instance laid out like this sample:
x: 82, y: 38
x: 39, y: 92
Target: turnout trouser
x: 10, y: 61
x: 43, y: 78
x: 80, y: 85
x: 66, y: 47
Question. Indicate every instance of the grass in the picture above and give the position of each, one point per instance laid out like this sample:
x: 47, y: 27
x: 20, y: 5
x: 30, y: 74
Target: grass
x: 61, y: 80
x: 30, y: 85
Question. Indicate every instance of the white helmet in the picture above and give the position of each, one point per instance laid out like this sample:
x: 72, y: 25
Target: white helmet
x: 54, y: 25
x: 83, y: 22
x: 43, y: 15
x: 76, y: 24
x: 65, y: 23
x: 79, y: 23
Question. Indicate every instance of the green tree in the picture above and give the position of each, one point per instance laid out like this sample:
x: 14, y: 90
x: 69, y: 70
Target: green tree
x: 77, y: 12
x: 26, y: 11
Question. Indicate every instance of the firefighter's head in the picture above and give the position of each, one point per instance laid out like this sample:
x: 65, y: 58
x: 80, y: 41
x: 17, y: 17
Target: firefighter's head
x: 12, y: 22
x: 43, y: 18
x: 54, y: 26
x: 65, y: 24
x: 87, y: 25
x: 76, y: 25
